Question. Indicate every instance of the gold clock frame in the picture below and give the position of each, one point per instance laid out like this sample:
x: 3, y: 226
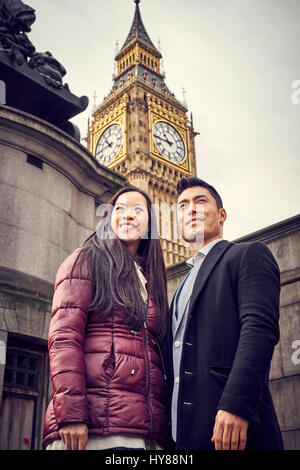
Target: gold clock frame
x: 115, y: 113
x: 154, y: 151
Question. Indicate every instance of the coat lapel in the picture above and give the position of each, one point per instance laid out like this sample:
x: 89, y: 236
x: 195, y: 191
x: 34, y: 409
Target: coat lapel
x: 206, y: 268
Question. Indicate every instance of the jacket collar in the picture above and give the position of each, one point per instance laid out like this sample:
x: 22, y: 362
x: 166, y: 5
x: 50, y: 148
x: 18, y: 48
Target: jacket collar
x: 191, y: 262
x: 207, y: 267
x: 211, y: 259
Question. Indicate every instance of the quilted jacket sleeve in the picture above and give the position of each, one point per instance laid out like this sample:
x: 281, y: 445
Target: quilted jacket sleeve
x: 65, y: 342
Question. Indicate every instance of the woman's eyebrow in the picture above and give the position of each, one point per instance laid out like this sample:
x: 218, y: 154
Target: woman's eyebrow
x: 134, y: 204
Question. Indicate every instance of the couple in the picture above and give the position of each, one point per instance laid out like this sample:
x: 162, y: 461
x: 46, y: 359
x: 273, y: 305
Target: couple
x: 128, y: 373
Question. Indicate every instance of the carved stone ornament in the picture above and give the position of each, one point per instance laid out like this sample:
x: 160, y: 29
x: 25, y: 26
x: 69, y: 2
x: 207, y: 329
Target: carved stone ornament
x: 49, y: 67
x: 16, y: 19
x: 33, y: 80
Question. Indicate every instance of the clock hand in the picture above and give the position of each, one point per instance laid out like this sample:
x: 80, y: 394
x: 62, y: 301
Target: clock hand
x: 165, y: 140
x: 170, y: 143
x: 109, y: 144
x: 103, y: 148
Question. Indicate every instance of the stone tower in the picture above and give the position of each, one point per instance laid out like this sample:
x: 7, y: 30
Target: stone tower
x: 142, y: 131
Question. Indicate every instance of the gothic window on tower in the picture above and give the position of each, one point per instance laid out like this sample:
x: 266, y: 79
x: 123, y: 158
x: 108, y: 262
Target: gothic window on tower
x: 160, y: 218
x: 172, y: 225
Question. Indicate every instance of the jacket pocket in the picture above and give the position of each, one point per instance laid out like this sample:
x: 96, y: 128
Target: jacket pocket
x: 110, y: 363
x: 220, y: 373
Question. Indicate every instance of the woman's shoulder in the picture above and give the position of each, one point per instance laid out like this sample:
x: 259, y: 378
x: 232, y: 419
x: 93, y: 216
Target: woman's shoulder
x: 73, y: 267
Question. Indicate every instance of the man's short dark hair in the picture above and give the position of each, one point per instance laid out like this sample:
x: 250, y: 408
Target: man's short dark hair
x: 185, y: 183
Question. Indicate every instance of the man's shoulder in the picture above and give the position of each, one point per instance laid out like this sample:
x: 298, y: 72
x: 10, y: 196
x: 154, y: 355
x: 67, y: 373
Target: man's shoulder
x: 238, y: 249
x: 251, y: 252
x: 244, y: 246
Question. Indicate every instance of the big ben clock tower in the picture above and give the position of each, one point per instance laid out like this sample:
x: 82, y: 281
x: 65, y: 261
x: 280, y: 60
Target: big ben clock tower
x: 142, y: 131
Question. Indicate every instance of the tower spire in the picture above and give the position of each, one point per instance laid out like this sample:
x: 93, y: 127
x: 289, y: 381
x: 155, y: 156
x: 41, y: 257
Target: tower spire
x: 138, y: 33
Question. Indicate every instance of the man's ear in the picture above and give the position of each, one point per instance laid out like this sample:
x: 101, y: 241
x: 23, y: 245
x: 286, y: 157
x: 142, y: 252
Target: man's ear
x: 222, y: 215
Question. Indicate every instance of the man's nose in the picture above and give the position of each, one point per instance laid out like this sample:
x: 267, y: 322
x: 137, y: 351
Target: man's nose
x: 191, y: 209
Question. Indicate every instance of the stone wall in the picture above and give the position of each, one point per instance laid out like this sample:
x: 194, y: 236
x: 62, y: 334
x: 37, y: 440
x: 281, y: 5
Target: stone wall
x: 49, y: 189
x: 283, y: 239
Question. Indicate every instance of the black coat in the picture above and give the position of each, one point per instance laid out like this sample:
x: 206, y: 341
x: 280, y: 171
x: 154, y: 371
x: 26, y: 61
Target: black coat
x: 231, y: 331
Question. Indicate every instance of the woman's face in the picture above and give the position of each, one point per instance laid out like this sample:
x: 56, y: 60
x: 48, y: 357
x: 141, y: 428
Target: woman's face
x: 130, y: 219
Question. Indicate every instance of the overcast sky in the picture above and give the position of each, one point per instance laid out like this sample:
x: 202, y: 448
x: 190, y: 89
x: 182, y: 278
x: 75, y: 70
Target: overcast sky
x: 237, y: 61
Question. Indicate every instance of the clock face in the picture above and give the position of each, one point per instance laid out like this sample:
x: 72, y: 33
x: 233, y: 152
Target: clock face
x: 168, y: 141
x: 109, y: 144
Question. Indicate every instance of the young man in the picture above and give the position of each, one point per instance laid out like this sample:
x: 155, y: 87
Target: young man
x: 221, y: 334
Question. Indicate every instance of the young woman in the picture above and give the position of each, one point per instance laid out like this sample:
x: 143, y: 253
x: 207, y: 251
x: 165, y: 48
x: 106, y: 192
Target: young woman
x: 108, y: 318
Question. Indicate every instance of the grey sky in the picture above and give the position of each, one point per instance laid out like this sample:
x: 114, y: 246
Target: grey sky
x: 236, y: 59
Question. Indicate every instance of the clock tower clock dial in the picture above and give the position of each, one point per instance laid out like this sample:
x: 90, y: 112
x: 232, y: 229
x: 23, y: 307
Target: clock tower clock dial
x: 168, y: 141
x: 109, y: 144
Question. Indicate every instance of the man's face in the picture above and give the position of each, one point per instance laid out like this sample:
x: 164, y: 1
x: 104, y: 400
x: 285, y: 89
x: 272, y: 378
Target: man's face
x: 198, y: 216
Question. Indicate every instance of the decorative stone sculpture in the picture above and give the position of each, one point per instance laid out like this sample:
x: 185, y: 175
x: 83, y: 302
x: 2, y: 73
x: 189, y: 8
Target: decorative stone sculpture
x: 49, y: 67
x: 16, y: 19
x: 33, y: 80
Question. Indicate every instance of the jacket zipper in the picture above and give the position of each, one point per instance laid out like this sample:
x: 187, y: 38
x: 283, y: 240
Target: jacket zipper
x: 148, y: 380
x: 156, y: 343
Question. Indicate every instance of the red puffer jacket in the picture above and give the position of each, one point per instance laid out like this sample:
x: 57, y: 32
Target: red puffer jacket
x: 103, y: 374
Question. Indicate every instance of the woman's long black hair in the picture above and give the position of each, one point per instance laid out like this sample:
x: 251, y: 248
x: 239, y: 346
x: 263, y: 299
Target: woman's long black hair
x: 111, y: 267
